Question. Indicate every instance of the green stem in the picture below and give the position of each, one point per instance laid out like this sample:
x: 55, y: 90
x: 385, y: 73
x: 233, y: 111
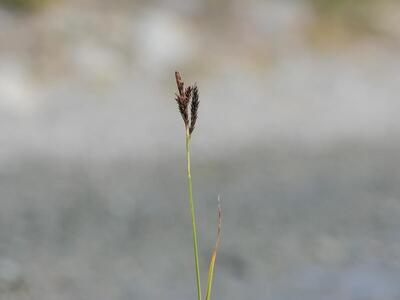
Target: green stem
x: 196, y: 254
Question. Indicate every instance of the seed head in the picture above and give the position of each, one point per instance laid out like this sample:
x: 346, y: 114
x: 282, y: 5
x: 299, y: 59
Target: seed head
x: 183, y: 98
x: 194, y: 106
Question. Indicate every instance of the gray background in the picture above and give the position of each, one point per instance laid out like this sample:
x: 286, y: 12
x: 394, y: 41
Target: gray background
x: 298, y: 131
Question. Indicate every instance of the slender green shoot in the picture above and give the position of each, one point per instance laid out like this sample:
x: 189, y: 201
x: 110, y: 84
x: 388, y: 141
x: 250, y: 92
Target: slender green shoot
x: 192, y: 211
x: 214, y: 252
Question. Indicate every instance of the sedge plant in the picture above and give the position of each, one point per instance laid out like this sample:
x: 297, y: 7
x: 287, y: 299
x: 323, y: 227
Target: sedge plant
x: 188, y: 102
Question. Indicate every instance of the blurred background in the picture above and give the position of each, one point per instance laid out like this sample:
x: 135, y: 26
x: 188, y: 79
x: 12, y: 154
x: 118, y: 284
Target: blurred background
x: 298, y: 130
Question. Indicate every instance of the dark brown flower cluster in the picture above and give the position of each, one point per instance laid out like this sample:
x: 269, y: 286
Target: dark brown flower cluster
x: 184, y: 97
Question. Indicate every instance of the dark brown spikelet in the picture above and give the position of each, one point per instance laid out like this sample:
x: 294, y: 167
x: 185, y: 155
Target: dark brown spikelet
x: 194, y: 106
x: 179, y: 83
x: 182, y: 98
x: 183, y: 108
x: 188, y: 93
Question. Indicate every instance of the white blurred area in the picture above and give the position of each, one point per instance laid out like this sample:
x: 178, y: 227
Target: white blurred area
x: 298, y: 129
x: 273, y: 63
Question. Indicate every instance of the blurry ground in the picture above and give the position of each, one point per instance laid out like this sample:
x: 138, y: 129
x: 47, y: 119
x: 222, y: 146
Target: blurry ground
x: 298, y: 131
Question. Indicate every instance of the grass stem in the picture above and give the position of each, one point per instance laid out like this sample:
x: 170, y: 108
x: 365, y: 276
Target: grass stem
x: 192, y: 211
